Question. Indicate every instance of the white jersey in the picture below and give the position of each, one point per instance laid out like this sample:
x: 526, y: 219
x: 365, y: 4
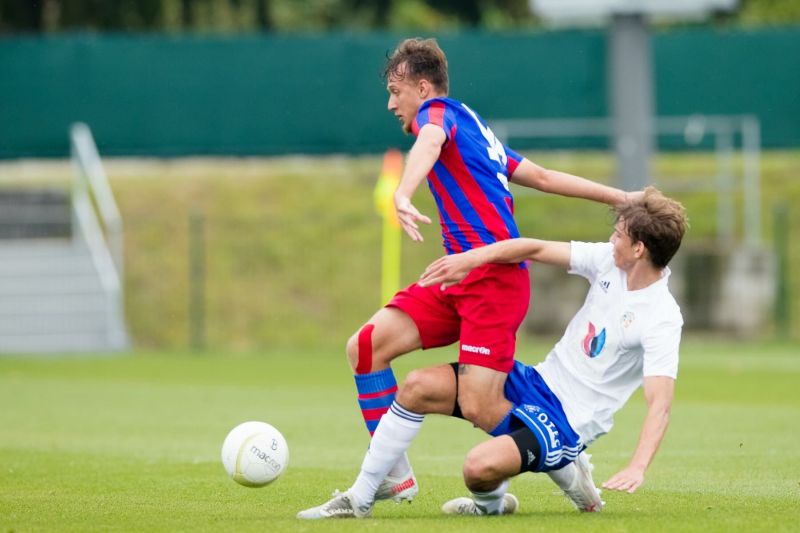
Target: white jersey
x: 615, y: 339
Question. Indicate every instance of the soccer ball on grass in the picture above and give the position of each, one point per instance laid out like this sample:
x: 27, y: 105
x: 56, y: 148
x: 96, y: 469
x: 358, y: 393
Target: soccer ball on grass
x: 255, y: 454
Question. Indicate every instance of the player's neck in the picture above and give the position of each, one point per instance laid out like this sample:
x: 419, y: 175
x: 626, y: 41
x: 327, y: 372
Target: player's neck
x: 642, y: 275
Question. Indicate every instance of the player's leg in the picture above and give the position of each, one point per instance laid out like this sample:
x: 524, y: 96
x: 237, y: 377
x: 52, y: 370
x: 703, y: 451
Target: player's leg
x: 416, y: 317
x: 428, y: 390
x: 391, y: 439
x: 388, y: 334
x: 490, y: 463
x: 487, y: 469
x: 480, y: 396
x: 425, y: 391
x: 492, y: 306
x: 537, y: 413
x: 575, y: 479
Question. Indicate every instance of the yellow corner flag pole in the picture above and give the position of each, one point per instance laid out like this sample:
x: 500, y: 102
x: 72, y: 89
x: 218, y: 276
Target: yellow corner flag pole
x: 384, y: 203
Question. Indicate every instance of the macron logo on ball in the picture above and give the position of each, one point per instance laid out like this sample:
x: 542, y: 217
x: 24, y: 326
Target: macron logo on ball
x: 476, y: 349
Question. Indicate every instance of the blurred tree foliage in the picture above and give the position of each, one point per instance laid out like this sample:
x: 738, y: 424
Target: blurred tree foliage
x: 775, y: 12
x: 307, y: 15
x: 249, y: 15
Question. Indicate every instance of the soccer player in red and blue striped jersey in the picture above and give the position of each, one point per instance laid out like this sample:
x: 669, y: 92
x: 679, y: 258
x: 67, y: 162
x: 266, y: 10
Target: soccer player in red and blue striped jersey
x: 468, y: 171
x: 469, y: 180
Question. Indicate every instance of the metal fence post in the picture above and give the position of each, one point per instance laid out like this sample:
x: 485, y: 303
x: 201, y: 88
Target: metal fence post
x: 783, y: 299
x: 197, y: 281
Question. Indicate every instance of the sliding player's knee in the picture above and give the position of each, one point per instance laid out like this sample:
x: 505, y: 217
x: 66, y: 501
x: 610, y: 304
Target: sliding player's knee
x: 481, y: 473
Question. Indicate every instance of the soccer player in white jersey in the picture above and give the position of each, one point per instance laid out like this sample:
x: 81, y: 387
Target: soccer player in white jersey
x: 626, y: 334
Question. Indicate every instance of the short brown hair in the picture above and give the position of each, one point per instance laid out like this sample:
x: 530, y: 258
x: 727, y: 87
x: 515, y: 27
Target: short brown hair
x: 423, y: 59
x: 656, y: 221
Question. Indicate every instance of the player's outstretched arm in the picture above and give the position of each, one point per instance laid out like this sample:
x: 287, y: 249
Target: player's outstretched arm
x: 658, y: 392
x: 451, y: 269
x: 421, y: 159
x: 529, y: 174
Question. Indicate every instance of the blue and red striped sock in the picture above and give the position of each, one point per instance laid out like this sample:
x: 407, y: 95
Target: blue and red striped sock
x: 376, y: 392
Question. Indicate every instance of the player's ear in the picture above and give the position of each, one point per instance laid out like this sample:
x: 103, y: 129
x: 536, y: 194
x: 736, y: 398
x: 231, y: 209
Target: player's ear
x: 424, y: 88
x: 639, y: 249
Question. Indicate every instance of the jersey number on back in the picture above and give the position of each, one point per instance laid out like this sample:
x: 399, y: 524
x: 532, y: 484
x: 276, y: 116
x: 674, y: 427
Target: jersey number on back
x: 495, y: 149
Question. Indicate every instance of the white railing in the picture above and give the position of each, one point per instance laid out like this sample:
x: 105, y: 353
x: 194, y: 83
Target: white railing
x: 106, y: 247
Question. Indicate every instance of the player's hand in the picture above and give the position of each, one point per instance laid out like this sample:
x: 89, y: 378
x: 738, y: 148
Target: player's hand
x: 633, y: 196
x: 448, y: 270
x: 408, y: 216
x: 628, y: 479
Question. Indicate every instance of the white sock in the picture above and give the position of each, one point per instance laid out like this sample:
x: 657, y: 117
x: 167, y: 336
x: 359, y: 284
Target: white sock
x: 491, y: 502
x: 401, y: 468
x: 563, y: 477
x: 391, y: 439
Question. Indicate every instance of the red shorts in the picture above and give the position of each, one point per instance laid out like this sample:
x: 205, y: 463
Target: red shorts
x: 484, y: 312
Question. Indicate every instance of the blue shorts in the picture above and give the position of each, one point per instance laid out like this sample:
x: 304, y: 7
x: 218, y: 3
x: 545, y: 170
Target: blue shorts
x: 539, y: 409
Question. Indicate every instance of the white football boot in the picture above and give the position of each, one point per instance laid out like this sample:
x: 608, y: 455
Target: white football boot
x: 576, y: 481
x: 399, y: 489
x: 467, y: 506
x: 342, y: 505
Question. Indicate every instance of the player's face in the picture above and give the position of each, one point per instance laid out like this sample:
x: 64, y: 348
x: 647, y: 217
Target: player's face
x: 405, y: 97
x: 624, y: 248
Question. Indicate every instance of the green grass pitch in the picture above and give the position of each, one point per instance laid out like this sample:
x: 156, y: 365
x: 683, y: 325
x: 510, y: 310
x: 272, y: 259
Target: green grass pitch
x: 132, y: 443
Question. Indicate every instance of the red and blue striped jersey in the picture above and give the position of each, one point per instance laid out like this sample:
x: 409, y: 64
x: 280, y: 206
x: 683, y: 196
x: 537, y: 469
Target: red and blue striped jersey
x: 470, y: 179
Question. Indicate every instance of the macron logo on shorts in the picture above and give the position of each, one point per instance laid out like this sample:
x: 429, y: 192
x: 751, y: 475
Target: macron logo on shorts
x: 476, y: 349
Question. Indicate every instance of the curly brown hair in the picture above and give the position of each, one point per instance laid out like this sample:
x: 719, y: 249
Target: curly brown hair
x: 656, y: 221
x: 423, y: 59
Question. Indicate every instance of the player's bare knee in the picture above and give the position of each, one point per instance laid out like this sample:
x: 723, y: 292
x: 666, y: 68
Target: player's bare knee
x: 416, y: 390
x: 416, y: 384
x: 480, y: 473
x: 366, y: 352
x: 352, y: 351
x: 360, y: 351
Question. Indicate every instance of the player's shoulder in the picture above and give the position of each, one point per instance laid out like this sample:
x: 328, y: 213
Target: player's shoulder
x: 598, y: 249
x: 664, y: 308
x: 604, y: 253
x: 598, y: 256
x: 670, y: 304
x: 440, y: 111
x: 441, y: 102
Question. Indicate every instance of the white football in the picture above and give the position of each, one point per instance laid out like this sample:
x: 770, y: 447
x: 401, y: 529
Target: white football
x: 255, y: 454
